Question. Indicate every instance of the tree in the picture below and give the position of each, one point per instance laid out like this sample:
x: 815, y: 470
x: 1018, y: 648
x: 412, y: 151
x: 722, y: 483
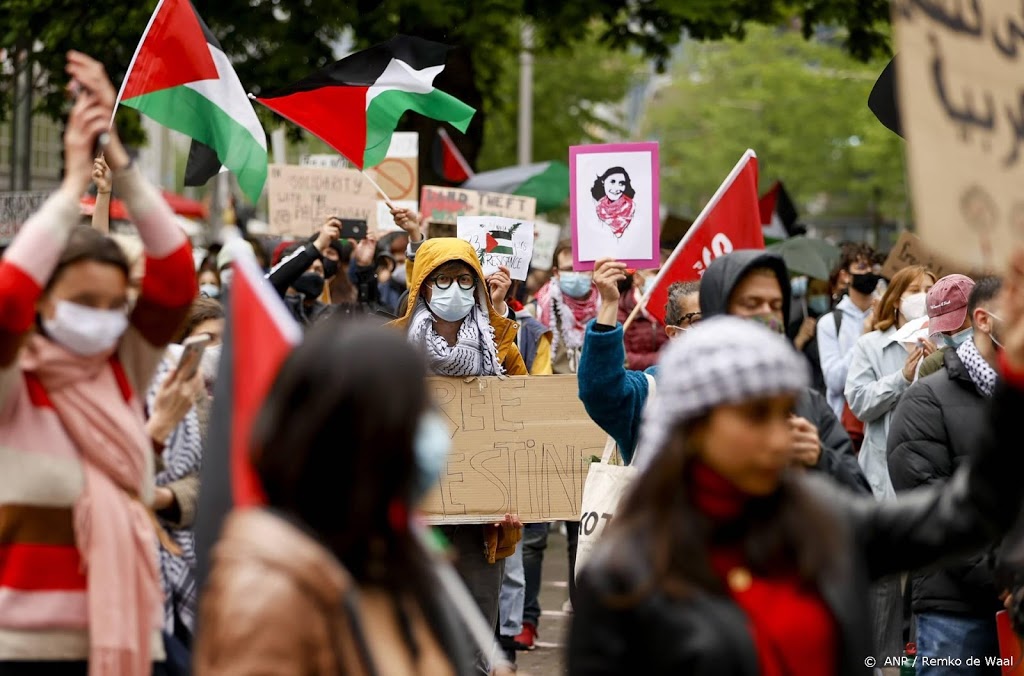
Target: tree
x: 800, y: 104
x: 277, y: 41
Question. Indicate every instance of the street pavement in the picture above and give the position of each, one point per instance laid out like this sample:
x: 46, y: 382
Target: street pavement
x: 548, y: 659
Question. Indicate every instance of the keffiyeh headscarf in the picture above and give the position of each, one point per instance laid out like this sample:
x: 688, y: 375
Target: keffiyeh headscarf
x: 983, y: 375
x: 566, y: 317
x: 474, y: 353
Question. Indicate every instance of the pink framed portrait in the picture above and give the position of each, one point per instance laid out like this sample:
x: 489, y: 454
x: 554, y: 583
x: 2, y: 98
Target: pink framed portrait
x: 615, y: 212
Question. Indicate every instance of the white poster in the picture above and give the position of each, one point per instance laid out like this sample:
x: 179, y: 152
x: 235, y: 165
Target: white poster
x: 499, y: 241
x: 545, y: 241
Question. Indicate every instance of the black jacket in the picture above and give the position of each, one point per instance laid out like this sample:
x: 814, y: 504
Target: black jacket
x: 707, y: 633
x: 716, y: 286
x: 934, y: 429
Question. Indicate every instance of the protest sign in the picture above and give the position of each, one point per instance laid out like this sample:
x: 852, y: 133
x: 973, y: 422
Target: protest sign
x: 398, y: 174
x: 16, y: 207
x: 519, y: 444
x: 324, y: 161
x: 445, y: 205
x: 546, y: 237
x: 499, y: 241
x: 961, y: 98
x: 909, y: 250
x: 615, y: 212
x: 302, y: 198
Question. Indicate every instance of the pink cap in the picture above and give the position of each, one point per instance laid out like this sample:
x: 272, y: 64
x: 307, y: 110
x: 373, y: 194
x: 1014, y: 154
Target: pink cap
x: 947, y: 303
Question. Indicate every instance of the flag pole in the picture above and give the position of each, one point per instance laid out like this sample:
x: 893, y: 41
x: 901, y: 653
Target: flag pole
x: 387, y: 200
x: 704, y: 213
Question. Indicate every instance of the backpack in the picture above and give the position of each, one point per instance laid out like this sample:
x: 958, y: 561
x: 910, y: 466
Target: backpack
x: 853, y: 426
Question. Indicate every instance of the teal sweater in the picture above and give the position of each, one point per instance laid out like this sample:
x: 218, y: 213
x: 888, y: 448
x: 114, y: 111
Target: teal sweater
x: 613, y: 396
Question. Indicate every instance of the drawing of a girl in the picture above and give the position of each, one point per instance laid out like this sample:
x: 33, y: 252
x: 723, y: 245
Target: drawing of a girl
x: 614, y: 194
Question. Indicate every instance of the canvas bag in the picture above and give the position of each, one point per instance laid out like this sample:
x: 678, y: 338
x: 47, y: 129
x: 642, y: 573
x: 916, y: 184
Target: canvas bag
x: 607, y: 483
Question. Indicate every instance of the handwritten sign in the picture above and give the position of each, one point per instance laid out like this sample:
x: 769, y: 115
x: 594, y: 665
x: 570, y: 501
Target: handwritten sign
x: 301, y: 198
x: 519, y: 444
x: 962, y: 102
x: 399, y: 173
x: 499, y: 241
x: 445, y: 205
x: 910, y: 250
x: 546, y: 237
x: 324, y: 161
x: 16, y: 207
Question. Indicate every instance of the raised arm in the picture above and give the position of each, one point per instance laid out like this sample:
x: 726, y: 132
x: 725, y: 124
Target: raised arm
x: 286, y: 272
x: 104, y: 182
x: 31, y: 259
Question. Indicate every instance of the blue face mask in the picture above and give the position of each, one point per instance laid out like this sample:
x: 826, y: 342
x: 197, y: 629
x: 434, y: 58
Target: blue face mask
x: 430, y: 451
x: 648, y: 285
x: 453, y: 303
x: 819, y: 304
x: 209, y: 290
x: 798, y: 286
x: 574, y: 284
x: 958, y: 339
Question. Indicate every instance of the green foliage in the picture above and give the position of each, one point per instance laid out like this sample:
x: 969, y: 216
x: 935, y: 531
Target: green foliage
x: 801, y: 105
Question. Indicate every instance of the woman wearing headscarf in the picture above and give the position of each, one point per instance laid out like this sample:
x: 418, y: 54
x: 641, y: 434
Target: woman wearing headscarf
x: 725, y: 559
x: 79, y: 581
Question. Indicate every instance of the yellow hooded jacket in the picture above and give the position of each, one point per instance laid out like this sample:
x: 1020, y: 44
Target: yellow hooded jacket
x: 433, y: 254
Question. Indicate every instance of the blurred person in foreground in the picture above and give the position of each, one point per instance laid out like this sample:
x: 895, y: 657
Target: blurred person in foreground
x: 329, y: 578
x: 79, y: 581
x: 724, y: 560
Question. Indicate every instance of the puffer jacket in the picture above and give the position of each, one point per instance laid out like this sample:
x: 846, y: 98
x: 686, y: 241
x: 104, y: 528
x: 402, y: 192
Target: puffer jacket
x: 934, y: 430
x: 278, y: 602
x: 707, y: 634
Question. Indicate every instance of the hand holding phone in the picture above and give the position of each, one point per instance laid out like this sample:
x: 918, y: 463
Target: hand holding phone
x: 192, y: 356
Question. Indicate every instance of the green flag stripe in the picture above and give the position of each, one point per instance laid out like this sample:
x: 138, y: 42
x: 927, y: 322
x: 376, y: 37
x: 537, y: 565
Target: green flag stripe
x: 189, y: 112
x: 502, y: 250
x: 386, y: 110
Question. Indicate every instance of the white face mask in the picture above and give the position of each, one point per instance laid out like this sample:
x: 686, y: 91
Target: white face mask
x: 914, y: 306
x: 84, y: 330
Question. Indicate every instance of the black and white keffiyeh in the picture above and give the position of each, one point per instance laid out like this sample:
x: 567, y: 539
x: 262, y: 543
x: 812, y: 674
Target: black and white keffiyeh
x: 983, y: 375
x: 182, y: 457
x: 474, y: 353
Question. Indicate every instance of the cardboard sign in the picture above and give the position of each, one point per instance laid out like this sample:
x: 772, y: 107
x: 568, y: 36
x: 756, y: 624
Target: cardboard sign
x: 399, y: 173
x: 324, y: 161
x: 445, y: 205
x: 521, y: 444
x: 546, y: 237
x: 961, y: 96
x: 499, y: 241
x: 302, y: 198
x: 16, y: 207
x: 909, y: 250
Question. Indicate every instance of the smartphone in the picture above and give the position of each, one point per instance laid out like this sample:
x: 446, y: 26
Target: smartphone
x: 192, y: 355
x: 353, y: 228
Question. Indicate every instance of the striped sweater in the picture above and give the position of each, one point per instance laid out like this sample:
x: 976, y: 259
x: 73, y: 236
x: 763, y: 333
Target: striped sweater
x: 43, y: 588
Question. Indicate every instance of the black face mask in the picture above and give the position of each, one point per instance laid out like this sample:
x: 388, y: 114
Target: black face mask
x: 330, y: 268
x: 309, y: 285
x: 865, y: 283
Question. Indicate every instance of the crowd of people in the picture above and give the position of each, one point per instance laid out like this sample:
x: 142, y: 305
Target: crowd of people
x: 827, y: 469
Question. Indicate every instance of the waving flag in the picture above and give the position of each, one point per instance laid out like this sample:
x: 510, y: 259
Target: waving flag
x: 259, y: 335
x: 729, y: 222
x: 354, y: 105
x: 180, y: 77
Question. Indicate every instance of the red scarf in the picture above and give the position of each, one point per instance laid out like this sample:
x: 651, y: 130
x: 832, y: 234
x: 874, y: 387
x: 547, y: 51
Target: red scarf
x: 616, y: 215
x: 793, y: 629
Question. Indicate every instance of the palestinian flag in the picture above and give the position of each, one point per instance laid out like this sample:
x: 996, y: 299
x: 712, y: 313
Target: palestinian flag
x: 778, y: 215
x: 449, y: 163
x: 355, y: 104
x: 547, y: 182
x: 259, y: 335
x: 499, y: 242
x: 180, y: 77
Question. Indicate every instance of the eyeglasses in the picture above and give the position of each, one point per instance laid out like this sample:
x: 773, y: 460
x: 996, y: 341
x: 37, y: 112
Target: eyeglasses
x: 686, y: 322
x: 466, y: 281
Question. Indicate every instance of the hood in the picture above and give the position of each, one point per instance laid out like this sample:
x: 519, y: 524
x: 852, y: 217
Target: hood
x: 433, y: 254
x: 260, y: 536
x: 724, y: 275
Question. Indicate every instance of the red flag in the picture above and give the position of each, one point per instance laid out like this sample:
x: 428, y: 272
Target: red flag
x: 259, y: 335
x: 729, y: 222
x: 448, y: 160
